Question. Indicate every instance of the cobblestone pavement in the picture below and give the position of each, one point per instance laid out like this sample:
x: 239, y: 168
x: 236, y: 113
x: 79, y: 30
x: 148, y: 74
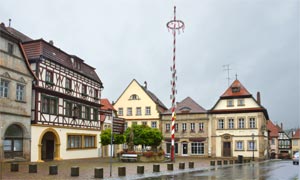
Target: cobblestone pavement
x: 87, y: 166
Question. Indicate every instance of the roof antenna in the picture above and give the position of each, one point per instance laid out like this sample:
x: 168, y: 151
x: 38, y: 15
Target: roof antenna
x: 227, y: 68
x: 9, y: 22
x: 236, y: 76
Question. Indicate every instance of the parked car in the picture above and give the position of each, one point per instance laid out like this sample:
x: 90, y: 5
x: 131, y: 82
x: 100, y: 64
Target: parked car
x: 296, y: 158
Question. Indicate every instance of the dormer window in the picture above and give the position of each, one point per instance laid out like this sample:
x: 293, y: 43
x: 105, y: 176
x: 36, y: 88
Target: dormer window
x: 235, y: 89
x: 134, y: 97
x: 76, y: 63
x: 185, y: 109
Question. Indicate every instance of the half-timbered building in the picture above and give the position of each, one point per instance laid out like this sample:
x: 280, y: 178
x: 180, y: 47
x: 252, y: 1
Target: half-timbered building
x: 65, y: 106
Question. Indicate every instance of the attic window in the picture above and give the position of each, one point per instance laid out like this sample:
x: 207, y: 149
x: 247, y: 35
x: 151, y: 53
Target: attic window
x: 134, y: 97
x: 10, y: 48
x: 76, y: 64
x: 185, y: 109
x: 235, y: 89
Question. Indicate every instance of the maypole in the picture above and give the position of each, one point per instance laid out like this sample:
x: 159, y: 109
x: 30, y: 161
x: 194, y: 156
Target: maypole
x: 174, y: 25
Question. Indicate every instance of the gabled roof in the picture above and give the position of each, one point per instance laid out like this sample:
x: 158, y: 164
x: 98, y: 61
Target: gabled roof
x: 236, y: 89
x: 297, y: 134
x: 106, y: 105
x: 34, y: 49
x: 161, y: 106
x: 188, y: 105
x: 273, y: 129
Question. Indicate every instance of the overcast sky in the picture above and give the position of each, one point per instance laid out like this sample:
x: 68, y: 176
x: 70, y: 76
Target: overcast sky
x: 128, y: 39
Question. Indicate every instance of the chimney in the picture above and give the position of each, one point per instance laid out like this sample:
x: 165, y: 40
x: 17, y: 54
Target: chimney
x: 281, y: 126
x: 51, y: 42
x: 145, y: 83
x: 258, y: 98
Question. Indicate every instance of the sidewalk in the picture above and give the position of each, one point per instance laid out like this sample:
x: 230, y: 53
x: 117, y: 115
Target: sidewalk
x: 87, y: 166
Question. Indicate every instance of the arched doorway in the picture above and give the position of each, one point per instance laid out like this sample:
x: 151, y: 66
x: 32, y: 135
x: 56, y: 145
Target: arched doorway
x: 13, y: 142
x: 49, y: 147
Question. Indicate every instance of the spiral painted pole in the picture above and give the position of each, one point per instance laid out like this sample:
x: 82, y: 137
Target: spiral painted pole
x: 174, y: 25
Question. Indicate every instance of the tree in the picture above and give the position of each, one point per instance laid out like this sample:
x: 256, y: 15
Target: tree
x: 106, y: 138
x: 143, y: 135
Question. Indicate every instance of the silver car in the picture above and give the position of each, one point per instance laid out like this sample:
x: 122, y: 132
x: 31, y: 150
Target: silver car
x: 296, y: 158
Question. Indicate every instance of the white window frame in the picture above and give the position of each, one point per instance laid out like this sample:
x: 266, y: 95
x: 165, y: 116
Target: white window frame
x: 230, y: 123
x: 4, y: 88
x: 220, y: 123
x: 153, y: 124
x: 148, y: 110
x: 239, y: 145
x: 252, y: 123
x: 129, y: 111
x: 241, y: 123
x: 120, y: 111
x: 20, y: 92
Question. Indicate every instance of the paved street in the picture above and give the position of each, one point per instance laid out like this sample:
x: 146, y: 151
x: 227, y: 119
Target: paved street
x: 269, y: 170
x: 87, y: 168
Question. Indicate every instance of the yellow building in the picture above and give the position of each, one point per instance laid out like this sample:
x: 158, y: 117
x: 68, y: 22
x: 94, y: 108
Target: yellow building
x: 296, y: 141
x: 138, y: 105
x: 238, y: 125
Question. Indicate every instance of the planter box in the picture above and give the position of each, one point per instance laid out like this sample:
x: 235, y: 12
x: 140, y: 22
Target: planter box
x: 153, y: 158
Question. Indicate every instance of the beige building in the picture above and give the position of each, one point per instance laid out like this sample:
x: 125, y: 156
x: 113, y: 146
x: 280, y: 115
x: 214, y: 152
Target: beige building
x: 191, y: 129
x: 296, y: 141
x: 15, y: 98
x: 273, y: 139
x: 138, y: 105
x: 238, y: 125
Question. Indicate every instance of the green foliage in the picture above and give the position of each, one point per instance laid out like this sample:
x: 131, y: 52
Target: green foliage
x: 144, y: 135
x: 106, y: 137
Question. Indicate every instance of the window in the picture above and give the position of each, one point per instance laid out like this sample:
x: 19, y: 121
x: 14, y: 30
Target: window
x: 87, y: 113
x: 125, y: 126
x: 96, y: 94
x: 230, y: 123
x: 295, y: 142
x: 134, y: 97
x: 20, y: 92
x: 169, y: 145
x: 89, y: 141
x: 197, y: 148
x: 144, y: 123
x: 120, y: 111
x: 201, y: 127
x: 176, y: 127
x: 241, y: 123
x: 138, y: 111
x: 167, y: 127
x: 273, y: 141
x: 230, y: 103
x: 81, y: 141
x: 4, y: 88
x: 192, y: 127
x: 49, y: 105
x: 10, y: 48
x: 148, y: 110
x: 68, y: 110
x: 251, y: 145
x: 241, y: 102
x: 239, y: 145
x: 74, y: 141
x: 68, y: 84
x: 235, y: 89
x: 49, y: 77
x: 183, y: 127
x: 221, y: 124
x: 84, y: 90
x: 95, y: 114
x: 129, y: 111
x: 153, y: 124
x: 252, y: 123
x: 77, y: 111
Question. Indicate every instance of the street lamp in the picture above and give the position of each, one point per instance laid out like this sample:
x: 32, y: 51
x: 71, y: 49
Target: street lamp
x: 252, y: 146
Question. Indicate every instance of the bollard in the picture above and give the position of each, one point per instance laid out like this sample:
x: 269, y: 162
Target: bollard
x: 74, y: 171
x: 170, y: 166
x: 231, y: 162
x: 181, y: 165
x: 122, y: 171
x: 14, y: 167
x: 53, y: 170
x: 98, y: 172
x: 212, y: 163
x: 191, y: 165
x: 155, y: 167
x: 219, y: 162
x: 225, y: 162
x: 140, y: 169
x: 32, y: 168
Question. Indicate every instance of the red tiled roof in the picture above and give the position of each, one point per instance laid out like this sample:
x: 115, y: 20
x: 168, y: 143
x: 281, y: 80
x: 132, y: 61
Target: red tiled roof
x: 272, y: 128
x: 236, y: 89
x: 106, y: 105
x: 297, y: 134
